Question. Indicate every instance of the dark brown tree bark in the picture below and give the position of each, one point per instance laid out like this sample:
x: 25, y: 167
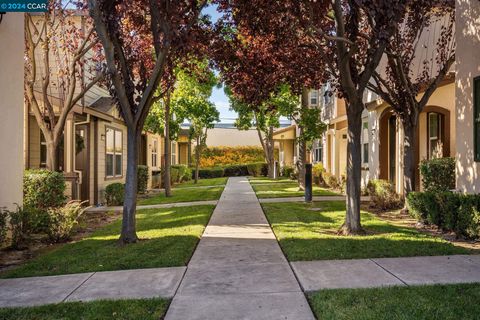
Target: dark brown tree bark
x: 302, y: 145
x: 128, y: 234
x: 268, y: 146
x: 352, y: 223
x: 410, y: 125
x: 197, y: 160
x: 167, y: 155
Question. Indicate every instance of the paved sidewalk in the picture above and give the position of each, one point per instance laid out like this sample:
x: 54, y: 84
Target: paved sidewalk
x: 140, y: 283
x: 302, y: 199
x: 153, y: 206
x: 368, y: 273
x: 238, y: 270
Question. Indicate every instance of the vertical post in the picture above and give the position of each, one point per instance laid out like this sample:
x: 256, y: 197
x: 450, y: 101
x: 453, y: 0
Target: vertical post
x: 308, y: 182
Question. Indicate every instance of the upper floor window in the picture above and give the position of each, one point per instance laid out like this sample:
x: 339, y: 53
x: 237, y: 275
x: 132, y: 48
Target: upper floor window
x: 314, y: 97
x: 114, y: 153
x: 476, y: 119
x: 155, y: 153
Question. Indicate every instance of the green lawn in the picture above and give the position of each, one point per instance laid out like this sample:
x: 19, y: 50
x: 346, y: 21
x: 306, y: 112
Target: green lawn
x: 184, y: 195
x: 424, y: 302
x: 203, y: 182
x: 144, y: 309
x: 256, y: 180
x: 305, y: 234
x: 282, y: 189
x: 168, y: 238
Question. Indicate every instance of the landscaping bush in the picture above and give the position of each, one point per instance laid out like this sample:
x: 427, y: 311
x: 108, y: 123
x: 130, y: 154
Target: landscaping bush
x: 287, y: 171
x: 3, y: 226
x: 235, y: 171
x: 383, y: 195
x: 180, y: 173
x: 115, y: 194
x: 43, y: 189
x: 438, y: 174
x: 449, y: 211
x: 62, y: 220
x: 209, y: 173
x: 174, y: 175
x: 331, y: 180
x: 142, y: 182
x: 224, y: 156
x: 20, y: 224
x: 317, y: 172
x: 257, y: 169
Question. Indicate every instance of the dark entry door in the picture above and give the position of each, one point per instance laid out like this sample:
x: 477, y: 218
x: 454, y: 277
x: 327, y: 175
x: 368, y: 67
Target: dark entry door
x: 82, y: 159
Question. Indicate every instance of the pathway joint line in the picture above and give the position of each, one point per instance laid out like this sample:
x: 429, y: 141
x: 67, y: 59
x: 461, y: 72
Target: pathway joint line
x: 389, y: 272
x: 78, y: 287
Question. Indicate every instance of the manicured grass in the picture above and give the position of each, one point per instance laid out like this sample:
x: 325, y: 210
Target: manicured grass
x: 305, y: 234
x: 184, y: 195
x: 255, y: 180
x: 284, y: 189
x: 168, y: 238
x: 425, y: 302
x: 203, y: 182
x: 144, y: 309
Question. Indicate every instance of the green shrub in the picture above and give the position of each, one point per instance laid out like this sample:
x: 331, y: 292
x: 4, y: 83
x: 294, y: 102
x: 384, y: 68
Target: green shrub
x: 382, y: 194
x: 235, y: 171
x: 142, y: 179
x: 331, y: 180
x: 180, y: 173
x: 287, y: 171
x: 449, y: 211
x: 115, y: 194
x: 43, y: 189
x: 62, y: 220
x: 3, y: 226
x: 20, y: 224
x: 174, y: 175
x: 257, y: 169
x: 317, y: 173
x: 438, y: 174
x: 207, y: 173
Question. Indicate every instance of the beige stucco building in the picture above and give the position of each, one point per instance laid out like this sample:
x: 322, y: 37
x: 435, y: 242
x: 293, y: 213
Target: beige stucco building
x: 11, y: 105
x: 467, y: 91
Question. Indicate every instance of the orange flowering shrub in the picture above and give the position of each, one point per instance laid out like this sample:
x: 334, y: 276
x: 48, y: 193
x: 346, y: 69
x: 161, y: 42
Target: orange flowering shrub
x: 222, y: 156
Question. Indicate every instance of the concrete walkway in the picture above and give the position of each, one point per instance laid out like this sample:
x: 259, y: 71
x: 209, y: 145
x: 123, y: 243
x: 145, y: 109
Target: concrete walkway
x: 141, y: 283
x: 368, y: 273
x: 153, y: 206
x: 238, y: 270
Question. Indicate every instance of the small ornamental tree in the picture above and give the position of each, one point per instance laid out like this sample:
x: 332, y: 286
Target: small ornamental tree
x: 191, y: 102
x: 142, y: 41
x: 60, y: 68
x: 414, y: 71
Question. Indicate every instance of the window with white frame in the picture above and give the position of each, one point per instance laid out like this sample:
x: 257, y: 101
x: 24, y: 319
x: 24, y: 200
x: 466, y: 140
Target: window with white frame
x: 114, y: 153
x: 313, y: 97
x: 318, y: 154
x: 365, y: 145
x: 174, y: 153
x: 155, y: 153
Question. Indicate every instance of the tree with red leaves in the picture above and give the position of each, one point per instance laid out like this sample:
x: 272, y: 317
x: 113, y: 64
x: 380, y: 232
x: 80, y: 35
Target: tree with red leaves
x: 415, y: 70
x: 143, y: 41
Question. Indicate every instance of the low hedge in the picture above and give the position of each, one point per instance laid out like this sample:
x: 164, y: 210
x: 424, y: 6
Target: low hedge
x: 209, y: 173
x: 235, y: 171
x: 142, y: 179
x: 449, y: 211
x: 43, y: 189
x: 257, y: 169
x: 438, y: 174
x: 115, y: 194
x: 383, y: 195
x: 180, y: 173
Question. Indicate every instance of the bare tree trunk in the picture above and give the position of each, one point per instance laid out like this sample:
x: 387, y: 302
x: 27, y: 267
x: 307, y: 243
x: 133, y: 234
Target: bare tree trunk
x: 352, y: 223
x: 270, y: 153
x: 197, y: 159
x: 410, y: 126
x: 167, y: 153
x: 302, y: 147
x: 52, y: 161
x: 129, y: 234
